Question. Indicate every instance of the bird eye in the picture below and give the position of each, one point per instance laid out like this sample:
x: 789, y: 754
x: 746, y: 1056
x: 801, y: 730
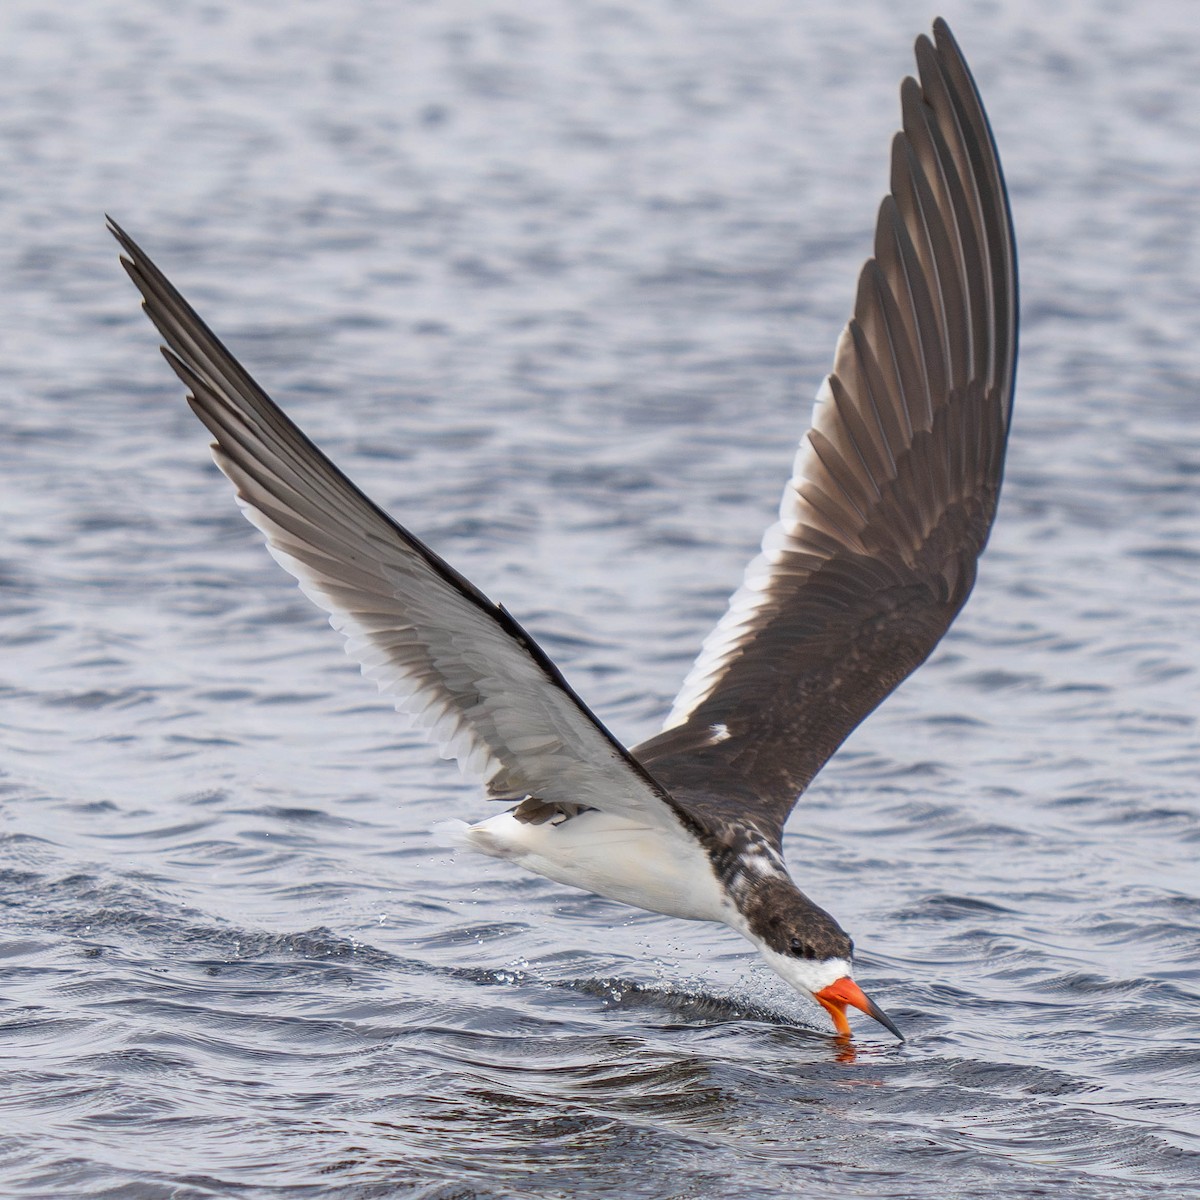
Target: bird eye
x: 800, y: 950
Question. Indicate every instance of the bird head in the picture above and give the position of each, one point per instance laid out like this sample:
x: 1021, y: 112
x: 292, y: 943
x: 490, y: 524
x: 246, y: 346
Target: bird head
x: 810, y: 950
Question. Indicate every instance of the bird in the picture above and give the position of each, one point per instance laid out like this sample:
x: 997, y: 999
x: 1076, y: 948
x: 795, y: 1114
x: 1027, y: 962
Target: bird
x: 890, y: 503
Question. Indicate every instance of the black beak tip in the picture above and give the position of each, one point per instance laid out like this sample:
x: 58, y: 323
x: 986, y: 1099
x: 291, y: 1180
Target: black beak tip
x: 884, y: 1020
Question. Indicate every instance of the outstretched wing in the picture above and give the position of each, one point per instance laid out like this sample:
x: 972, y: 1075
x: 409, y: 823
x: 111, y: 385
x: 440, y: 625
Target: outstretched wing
x: 472, y: 679
x: 894, y: 487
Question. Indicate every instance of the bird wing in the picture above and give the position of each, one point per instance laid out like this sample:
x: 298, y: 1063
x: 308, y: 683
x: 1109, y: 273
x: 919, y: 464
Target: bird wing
x: 894, y: 486
x: 474, y: 681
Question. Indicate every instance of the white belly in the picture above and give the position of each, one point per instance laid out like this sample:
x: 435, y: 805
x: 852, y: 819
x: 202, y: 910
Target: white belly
x: 650, y: 868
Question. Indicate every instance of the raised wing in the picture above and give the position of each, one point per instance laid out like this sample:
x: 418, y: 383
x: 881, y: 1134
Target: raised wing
x: 894, y: 486
x: 472, y: 679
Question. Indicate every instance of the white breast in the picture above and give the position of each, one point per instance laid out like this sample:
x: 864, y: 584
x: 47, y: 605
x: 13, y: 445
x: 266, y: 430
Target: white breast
x: 663, y: 871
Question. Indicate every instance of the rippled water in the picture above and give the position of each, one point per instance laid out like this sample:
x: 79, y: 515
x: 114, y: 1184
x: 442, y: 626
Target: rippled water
x: 555, y: 282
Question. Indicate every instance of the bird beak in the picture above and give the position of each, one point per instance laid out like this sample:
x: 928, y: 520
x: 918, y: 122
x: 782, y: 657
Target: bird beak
x: 843, y: 992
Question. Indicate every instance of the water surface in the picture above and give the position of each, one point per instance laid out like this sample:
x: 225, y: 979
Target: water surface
x: 555, y: 282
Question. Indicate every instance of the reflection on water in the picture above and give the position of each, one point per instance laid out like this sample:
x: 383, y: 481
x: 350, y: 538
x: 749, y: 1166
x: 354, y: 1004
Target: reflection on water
x: 554, y: 283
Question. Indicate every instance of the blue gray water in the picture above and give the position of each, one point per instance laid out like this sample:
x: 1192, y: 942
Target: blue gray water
x: 555, y: 281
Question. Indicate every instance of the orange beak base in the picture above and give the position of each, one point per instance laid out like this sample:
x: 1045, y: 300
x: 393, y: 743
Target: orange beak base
x: 844, y: 992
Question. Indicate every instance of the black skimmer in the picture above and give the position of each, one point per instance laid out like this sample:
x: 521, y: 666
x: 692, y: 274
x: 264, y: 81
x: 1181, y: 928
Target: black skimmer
x: 891, y: 501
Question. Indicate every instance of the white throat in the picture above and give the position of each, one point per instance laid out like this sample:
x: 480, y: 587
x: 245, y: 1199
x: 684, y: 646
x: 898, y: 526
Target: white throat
x: 805, y: 974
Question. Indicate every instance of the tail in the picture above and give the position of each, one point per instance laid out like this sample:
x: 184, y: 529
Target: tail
x: 451, y: 834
